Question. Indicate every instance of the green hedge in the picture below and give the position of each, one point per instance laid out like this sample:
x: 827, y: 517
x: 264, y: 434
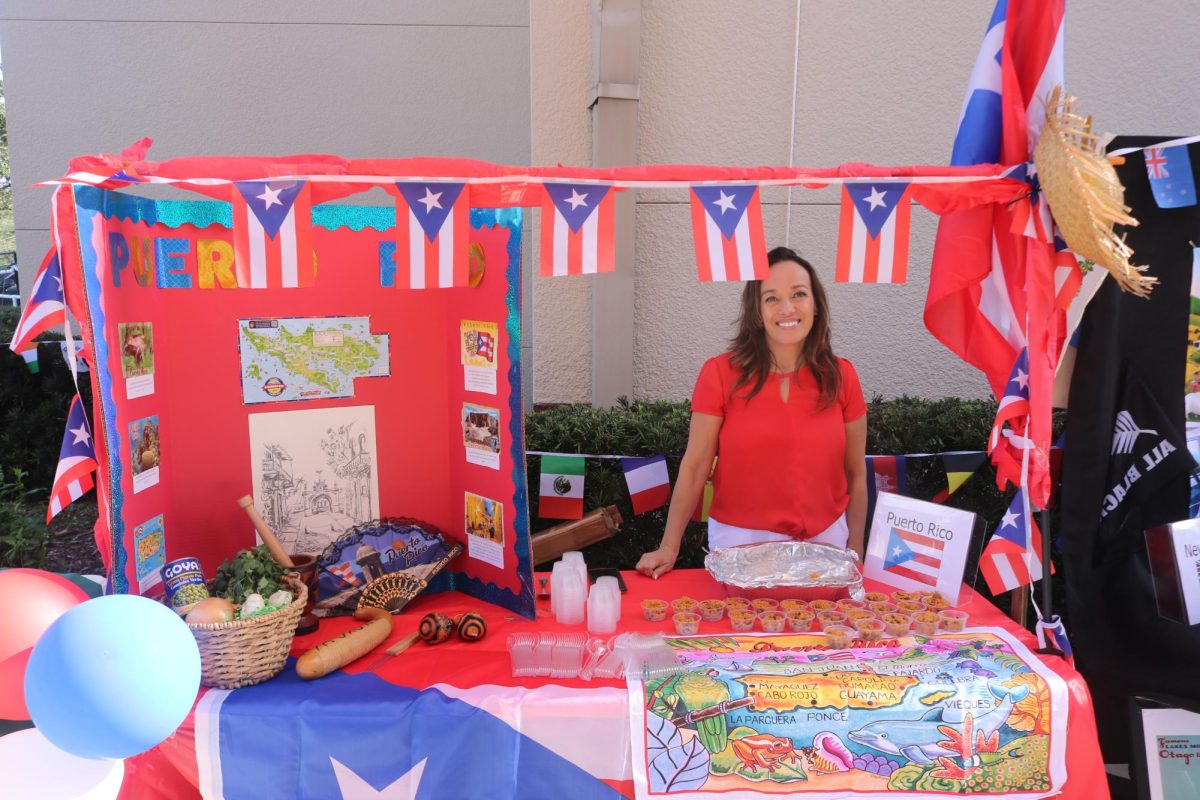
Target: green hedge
x: 900, y: 426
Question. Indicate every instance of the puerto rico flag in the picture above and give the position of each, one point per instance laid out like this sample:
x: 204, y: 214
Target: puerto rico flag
x: 346, y: 574
x: 76, y: 462
x: 992, y: 291
x: 728, y: 232
x: 648, y: 482
x: 913, y: 555
x: 485, y: 346
x: 1003, y: 561
x: 432, y: 225
x: 492, y: 742
x: 577, y: 229
x: 1007, y: 440
x: 873, y: 233
x: 272, y: 235
x: 46, y: 308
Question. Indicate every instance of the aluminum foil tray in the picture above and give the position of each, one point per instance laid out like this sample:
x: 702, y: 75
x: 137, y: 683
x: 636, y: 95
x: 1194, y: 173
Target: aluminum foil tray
x: 802, y: 570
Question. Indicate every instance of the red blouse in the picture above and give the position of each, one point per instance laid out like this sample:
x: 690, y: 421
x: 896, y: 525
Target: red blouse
x: 781, y: 465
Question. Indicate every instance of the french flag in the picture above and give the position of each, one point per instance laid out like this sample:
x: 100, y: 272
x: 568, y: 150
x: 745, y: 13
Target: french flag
x: 272, y: 235
x: 46, y: 309
x: 728, y: 231
x: 76, y: 462
x: 648, y: 482
x: 432, y: 225
x: 873, y: 233
x: 577, y: 229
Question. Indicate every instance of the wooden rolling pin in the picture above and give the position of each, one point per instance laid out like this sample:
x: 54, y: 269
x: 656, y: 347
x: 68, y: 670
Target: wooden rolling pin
x: 265, y: 533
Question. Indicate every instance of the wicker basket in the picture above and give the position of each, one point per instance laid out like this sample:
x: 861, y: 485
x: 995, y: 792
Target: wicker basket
x: 246, y: 652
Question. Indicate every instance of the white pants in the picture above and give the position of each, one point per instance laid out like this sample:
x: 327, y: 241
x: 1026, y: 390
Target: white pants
x: 722, y: 535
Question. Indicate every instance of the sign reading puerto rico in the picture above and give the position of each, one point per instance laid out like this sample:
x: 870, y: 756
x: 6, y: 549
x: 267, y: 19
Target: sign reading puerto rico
x: 915, y: 545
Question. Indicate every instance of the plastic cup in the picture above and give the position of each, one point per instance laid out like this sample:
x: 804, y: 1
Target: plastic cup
x: 858, y: 613
x: 935, y: 602
x: 574, y: 599
x: 742, y: 620
x: 911, y: 606
x: 736, y: 602
x: 876, y: 597
x: 848, y: 603
x: 800, y: 621
x: 925, y: 623
x: 684, y: 604
x: 827, y: 618
x: 900, y: 596
x: 952, y: 620
x: 896, y: 624
x: 602, y: 611
x: 869, y: 630
x: 882, y: 607
x: 822, y: 605
x: 654, y: 610
x: 787, y: 606
x: 772, y: 621
x: 762, y: 604
x: 686, y: 623
x: 712, y: 610
x: 839, y: 636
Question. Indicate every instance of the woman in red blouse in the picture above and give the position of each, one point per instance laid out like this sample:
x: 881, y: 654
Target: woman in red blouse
x: 786, y: 418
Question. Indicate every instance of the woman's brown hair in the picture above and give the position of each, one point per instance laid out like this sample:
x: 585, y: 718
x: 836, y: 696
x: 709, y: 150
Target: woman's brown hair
x: 748, y: 348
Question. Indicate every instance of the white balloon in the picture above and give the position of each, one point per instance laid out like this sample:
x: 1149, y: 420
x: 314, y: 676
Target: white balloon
x: 34, y: 769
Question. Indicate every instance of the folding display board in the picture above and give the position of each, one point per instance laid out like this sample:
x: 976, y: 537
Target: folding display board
x: 224, y: 363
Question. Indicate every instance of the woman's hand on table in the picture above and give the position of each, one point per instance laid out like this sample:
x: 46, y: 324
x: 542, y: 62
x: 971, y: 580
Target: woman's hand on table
x: 657, y: 562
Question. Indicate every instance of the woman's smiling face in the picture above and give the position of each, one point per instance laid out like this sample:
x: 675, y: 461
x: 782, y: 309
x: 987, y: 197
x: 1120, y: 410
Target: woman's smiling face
x: 787, y: 306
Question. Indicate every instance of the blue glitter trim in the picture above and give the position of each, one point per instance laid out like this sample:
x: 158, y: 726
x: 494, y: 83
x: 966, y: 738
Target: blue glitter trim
x: 522, y: 602
x: 356, y: 218
x: 91, y: 199
x: 204, y: 213
x: 171, y: 213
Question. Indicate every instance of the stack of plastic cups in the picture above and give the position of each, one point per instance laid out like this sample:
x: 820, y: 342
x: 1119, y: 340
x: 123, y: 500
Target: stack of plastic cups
x: 568, y: 592
x: 575, y: 559
x: 604, y: 605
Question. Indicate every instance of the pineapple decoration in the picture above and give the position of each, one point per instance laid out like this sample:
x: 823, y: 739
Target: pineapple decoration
x: 697, y: 691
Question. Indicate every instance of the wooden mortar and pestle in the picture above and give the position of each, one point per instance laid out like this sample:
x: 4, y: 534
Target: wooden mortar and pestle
x: 304, y: 565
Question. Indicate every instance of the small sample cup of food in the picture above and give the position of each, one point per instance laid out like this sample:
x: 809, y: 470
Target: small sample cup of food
x: 654, y: 610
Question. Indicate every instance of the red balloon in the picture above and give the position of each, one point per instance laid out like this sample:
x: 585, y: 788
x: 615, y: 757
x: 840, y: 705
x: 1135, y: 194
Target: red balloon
x: 30, y: 601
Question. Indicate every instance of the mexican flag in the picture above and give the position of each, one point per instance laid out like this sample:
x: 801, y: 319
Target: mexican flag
x: 561, y: 487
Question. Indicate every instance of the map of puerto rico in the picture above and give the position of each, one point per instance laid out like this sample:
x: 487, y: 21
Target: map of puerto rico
x: 308, y: 358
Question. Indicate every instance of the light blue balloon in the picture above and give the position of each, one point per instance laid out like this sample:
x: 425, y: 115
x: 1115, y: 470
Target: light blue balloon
x: 112, y: 677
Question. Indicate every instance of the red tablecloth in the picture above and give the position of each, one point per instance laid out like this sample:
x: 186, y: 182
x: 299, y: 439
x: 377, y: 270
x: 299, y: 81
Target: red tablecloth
x: 171, y: 771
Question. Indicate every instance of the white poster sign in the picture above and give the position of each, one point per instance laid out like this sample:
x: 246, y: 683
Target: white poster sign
x: 915, y: 545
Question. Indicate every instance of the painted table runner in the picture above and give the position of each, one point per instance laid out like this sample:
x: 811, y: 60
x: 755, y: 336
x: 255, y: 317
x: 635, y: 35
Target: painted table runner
x: 970, y: 713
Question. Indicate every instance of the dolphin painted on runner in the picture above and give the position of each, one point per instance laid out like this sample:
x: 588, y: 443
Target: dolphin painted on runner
x: 917, y: 739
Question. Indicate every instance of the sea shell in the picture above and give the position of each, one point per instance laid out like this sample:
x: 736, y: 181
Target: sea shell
x: 390, y: 592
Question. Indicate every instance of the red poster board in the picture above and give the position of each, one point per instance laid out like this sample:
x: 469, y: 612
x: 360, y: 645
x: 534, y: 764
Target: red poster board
x: 185, y: 366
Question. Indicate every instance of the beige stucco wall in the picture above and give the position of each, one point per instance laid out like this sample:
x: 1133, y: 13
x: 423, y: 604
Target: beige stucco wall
x: 878, y: 82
